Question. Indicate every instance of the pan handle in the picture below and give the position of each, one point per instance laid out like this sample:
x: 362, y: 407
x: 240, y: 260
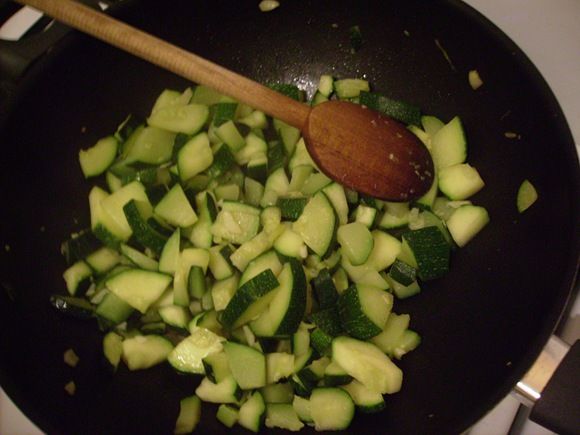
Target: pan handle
x: 16, y: 57
x: 552, y: 386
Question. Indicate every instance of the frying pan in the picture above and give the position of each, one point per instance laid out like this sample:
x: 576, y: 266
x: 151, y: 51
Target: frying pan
x: 482, y: 325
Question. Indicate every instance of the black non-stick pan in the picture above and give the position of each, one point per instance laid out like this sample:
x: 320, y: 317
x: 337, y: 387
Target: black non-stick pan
x: 482, y: 325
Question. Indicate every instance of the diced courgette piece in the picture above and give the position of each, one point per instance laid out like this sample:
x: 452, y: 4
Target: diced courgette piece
x: 325, y: 290
x: 356, y: 242
x: 252, y: 412
x: 291, y: 207
x: 465, y: 222
x: 108, y: 219
x: 188, y: 355
x: 367, y: 364
x: 326, y: 85
x: 113, y: 310
x: 227, y: 415
x: 247, y: 364
x: 350, y: 88
x: 225, y: 391
x: 526, y: 196
x: 459, y: 181
x: 216, y: 366
x: 431, y: 124
x: 151, y: 145
x: 428, y: 251
x: 236, y: 223
x: 337, y: 197
x: 317, y: 224
x: 79, y: 246
x: 186, y: 119
x: 175, y: 316
x: 267, y: 260
x: 169, y: 257
x: 364, y: 310
x: 194, y: 157
x: 335, y: 375
x: 77, y: 277
x: 223, y: 159
x: 290, y: 244
x: 249, y: 300
x: 138, y: 258
x: 97, y: 159
x: 148, y: 236
x: 189, y: 415
x: 365, y: 215
x: 390, y: 338
x: 223, y: 290
x: 287, y: 89
x: 281, y: 392
x: 145, y: 351
x: 368, y: 401
x: 385, y: 250
x: 286, y: 309
x: 448, y: 145
x: 396, y: 215
x: 188, y: 258
x: 224, y: 111
x: 139, y: 288
x: 331, y: 408
x: 282, y: 415
x: 112, y: 349
x: 399, y: 110
x: 230, y: 135
x: 279, y: 366
x: 402, y: 272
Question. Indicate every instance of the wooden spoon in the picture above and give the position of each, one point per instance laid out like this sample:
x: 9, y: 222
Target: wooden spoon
x: 355, y: 146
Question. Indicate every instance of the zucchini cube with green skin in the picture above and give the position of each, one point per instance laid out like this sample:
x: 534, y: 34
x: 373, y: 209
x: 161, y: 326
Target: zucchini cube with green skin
x: 324, y: 289
x: 252, y: 412
x: 145, y: 351
x: 188, y: 119
x: 175, y: 208
x: 366, y: 400
x: 248, y: 365
x: 112, y: 349
x: 282, y: 415
x: 189, y: 415
x: 236, y: 223
x: 526, y: 196
x: 366, y: 363
x: 427, y: 250
x: 138, y: 288
x: 465, y: 222
x: 331, y: 408
x: 392, y: 333
x: 188, y: 355
x: 97, y: 159
x: 364, y: 310
x: 227, y: 415
x: 448, y: 145
x: 141, y: 228
x: 317, y: 224
x: 356, y: 242
x: 225, y: 391
x: 460, y: 181
x: 249, y: 300
x: 287, y: 308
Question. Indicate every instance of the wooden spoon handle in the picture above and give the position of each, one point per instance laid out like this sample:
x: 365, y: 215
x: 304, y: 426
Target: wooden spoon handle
x: 174, y: 59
